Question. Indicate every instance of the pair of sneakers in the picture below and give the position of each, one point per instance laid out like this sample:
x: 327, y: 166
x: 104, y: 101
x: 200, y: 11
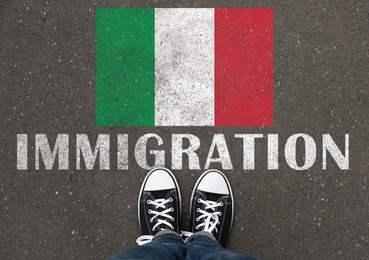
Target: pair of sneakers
x: 159, y: 205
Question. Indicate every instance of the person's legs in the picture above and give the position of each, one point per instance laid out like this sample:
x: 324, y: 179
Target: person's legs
x: 203, y: 246
x: 166, y: 245
x: 159, y: 211
x: 211, y: 218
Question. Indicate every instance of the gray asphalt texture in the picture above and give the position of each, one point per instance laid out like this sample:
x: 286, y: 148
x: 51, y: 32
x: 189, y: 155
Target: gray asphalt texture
x: 47, y: 81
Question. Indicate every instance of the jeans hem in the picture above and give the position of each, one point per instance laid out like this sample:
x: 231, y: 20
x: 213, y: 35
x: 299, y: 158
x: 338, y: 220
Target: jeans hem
x: 202, y: 233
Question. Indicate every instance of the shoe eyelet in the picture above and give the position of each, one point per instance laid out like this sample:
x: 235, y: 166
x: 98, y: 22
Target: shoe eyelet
x: 171, y: 209
x: 170, y: 200
x: 221, y: 204
x: 198, y: 210
x: 199, y: 200
x: 148, y: 201
x: 151, y: 220
x: 220, y: 213
x: 172, y: 218
x: 149, y: 211
x: 196, y: 227
x: 197, y: 219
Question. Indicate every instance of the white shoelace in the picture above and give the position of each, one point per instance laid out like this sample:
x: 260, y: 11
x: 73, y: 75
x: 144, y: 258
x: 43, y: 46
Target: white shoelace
x: 212, y: 217
x: 159, y: 203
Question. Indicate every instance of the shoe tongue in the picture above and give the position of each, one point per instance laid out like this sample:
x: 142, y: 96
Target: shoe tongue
x: 161, y: 194
x: 212, y: 196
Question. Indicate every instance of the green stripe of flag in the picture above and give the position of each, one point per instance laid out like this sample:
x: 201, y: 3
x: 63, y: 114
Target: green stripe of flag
x: 125, y: 66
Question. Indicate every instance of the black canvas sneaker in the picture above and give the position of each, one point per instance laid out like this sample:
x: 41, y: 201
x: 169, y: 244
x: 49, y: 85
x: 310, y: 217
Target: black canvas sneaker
x: 212, y: 206
x: 159, y: 204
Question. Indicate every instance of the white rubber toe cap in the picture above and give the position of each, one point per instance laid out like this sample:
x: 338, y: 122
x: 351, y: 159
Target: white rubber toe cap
x: 214, y: 182
x: 159, y: 179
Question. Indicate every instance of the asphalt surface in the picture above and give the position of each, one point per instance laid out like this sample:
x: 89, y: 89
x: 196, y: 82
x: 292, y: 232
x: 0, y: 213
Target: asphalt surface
x: 321, y: 66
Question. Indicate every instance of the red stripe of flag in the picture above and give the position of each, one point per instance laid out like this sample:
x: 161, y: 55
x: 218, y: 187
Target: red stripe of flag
x: 244, y: 67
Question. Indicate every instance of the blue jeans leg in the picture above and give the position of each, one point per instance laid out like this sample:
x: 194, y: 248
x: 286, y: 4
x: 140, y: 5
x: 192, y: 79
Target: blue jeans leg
x: 203, y: 246
x: 166, y: 245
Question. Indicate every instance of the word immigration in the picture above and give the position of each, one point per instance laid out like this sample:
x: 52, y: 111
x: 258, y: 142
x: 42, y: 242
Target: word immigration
x: 299, y: 151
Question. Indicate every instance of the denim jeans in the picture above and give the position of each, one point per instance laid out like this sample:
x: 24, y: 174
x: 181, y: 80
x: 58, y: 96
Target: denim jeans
x: 169, y: 246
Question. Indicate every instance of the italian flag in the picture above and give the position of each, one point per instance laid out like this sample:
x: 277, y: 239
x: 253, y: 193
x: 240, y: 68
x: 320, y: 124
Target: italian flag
x: 184, y: 67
